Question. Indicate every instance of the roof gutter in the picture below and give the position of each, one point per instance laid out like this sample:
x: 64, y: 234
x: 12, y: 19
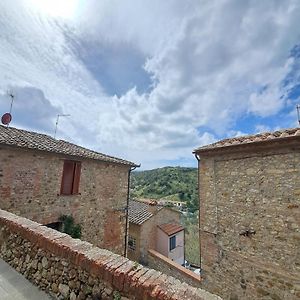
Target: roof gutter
x: 132, y: 168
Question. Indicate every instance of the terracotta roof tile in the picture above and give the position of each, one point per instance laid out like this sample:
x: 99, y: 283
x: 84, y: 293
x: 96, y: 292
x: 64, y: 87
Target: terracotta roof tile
x: 139, y: 212
x: 170, y: 228
x: 251, y: 139
x: 10, y: 136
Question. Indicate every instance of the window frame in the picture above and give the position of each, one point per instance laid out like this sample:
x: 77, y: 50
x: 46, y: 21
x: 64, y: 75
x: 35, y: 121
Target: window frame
x: 133, y: 240
x: 172, y: 243
x: 75, y: 174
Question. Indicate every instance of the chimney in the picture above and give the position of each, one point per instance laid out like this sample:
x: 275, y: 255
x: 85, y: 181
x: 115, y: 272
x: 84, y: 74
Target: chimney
x: 152, y: 206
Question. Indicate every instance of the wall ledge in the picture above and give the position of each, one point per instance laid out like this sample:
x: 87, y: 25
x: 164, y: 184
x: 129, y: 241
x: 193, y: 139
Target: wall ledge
x: 116, y: 272
x: 185, y: 272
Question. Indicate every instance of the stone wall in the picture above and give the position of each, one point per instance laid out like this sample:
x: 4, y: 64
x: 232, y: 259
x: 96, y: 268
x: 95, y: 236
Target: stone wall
x: 30, y: 183
x: 135, y: 232
x: 73, y: 269
x: 165, y: 265
x: 250, y: 222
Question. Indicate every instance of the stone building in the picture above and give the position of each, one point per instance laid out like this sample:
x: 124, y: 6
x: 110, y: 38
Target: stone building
x: 42, y: 178
x: 250, y: 216
x: 154, y: 227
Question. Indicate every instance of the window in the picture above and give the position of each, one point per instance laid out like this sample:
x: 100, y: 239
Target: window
x: 70, y: 178
x: 56, y: 225
x: 172, y: 242
x: 131, y: 243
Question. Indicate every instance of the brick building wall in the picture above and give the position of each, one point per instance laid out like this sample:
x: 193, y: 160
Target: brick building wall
x: 250, y: 221
x: 30, y: 183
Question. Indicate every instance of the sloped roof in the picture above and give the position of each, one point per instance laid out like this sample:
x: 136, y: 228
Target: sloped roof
x: 139, y: 212
x: 170, y: 228
x: 252, y: 139
x: 10, y: 136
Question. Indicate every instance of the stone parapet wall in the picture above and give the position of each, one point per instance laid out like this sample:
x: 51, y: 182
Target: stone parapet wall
x: 73, y: 269
x: 165, y: 265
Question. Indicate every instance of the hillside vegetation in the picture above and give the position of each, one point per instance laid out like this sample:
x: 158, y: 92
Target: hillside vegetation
x: 172, y: 183
x: 177, y: 184
x: 192, y: 246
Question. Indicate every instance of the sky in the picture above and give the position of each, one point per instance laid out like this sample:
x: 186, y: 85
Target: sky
x: 150, y: 80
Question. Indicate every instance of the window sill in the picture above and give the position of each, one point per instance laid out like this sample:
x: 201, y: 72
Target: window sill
x: 68, y: 195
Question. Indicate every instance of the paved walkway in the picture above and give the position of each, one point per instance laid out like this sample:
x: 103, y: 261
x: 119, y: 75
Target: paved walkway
x: 14, y: 286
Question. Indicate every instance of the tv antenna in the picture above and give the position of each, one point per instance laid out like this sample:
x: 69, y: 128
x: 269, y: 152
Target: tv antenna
x: 12, y: 97
x: 7, y: 117
x: 298, y: 112
x: 57, y: 119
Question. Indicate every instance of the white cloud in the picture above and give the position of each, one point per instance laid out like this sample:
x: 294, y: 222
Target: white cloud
x: 31, y: 109
x: 35, y: 52
x: 211, y: 63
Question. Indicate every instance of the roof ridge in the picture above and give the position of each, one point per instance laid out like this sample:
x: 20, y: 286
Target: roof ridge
x: 94, y: 151
x: 27, y: 131
x: 139, y: 211
x: 22, y: 138
x: 251, y: 139
x: 171, y: 227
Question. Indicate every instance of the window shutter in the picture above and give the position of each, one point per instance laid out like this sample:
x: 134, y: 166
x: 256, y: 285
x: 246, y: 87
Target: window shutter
x: 67, y: 179
x: 76, y: 181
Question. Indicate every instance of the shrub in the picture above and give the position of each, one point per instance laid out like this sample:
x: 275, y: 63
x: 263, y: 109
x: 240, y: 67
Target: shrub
x: 69, y: 226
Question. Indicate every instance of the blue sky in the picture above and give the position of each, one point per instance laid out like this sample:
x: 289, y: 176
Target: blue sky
x: 150, y: 81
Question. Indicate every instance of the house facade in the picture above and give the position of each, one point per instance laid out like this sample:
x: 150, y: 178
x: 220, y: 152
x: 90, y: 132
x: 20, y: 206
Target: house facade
x: 250, y: 216
x: 145, y: 233
x: 170, y: 241
x: 42, y: 178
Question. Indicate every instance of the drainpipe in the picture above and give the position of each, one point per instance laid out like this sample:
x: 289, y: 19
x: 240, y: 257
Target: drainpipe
x: 127, y: 209
x: 184, y: 245
x: 198, y: 159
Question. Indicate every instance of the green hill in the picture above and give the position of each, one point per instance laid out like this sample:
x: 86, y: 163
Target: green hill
x: 172, y: 183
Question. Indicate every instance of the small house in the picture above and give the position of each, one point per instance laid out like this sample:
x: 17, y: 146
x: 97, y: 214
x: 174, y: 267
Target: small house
x: 170, y: 241
x: 154, y: 227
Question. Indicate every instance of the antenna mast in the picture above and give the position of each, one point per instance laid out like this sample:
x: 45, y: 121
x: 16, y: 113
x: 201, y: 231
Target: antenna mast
x: 12, y: 96
x: 56, y: 124
x: 298, y: 112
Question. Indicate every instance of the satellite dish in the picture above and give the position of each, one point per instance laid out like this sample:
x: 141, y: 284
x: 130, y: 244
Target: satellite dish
x: 6, y: 118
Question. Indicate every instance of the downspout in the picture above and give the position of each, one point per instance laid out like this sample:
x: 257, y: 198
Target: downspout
x: 184, y: 247
x: 198, y: 159
x: 127, y: 209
